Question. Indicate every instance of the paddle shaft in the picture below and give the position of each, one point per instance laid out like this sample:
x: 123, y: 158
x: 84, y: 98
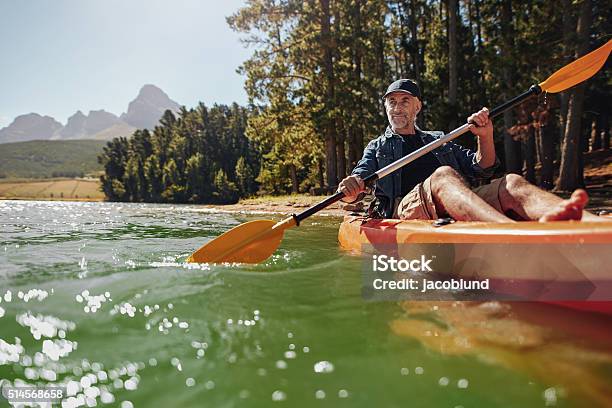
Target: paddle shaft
x: 533, y: 90
x: 385, y: 171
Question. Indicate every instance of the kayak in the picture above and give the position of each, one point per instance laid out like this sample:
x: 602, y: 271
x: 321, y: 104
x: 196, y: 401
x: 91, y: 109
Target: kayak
x: 562, y: 263
x: 356, y: 230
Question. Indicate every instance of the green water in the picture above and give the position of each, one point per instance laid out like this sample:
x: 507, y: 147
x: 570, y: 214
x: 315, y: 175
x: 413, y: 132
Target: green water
x: 150, y: 330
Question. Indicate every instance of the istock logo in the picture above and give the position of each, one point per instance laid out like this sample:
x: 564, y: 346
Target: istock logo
x: 384, y: 263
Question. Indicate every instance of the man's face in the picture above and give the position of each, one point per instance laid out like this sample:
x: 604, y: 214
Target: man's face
x: 402, y: 109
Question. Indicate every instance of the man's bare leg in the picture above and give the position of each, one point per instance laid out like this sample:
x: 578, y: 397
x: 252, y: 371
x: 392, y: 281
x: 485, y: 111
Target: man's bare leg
x: 454, y: 197
x: 533, y: 203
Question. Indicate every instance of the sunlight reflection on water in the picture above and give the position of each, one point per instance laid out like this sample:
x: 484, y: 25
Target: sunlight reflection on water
x: 97, y: 298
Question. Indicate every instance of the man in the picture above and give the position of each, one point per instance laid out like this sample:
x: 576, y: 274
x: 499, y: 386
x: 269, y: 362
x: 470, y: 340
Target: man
x: 438, y: 183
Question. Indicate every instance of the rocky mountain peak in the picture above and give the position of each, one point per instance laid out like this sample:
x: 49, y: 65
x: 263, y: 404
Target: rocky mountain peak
x: 81, y: 126
x: 148, y: 107
x: 31, y: 126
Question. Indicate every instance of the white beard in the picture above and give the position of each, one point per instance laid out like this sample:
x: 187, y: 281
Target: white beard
x: 401, y: 123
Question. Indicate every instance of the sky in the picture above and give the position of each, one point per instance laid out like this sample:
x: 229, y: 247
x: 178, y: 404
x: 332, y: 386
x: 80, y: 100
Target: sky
x: 60, y: 56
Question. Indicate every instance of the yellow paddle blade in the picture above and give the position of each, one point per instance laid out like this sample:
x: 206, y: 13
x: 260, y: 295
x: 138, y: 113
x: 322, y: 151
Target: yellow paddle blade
x: 251, y: 242
x: 578, y: 71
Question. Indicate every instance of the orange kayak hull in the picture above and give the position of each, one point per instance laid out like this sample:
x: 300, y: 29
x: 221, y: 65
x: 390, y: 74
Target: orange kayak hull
x: 355, y: 231
x: 574, y: 255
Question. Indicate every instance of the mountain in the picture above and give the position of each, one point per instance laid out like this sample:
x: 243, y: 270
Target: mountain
x: 74, y: 126
x: 80, y: 126
x: 31, y: 126
x: 148, y: 107
x: 119, y: 129
x: 143, y: 112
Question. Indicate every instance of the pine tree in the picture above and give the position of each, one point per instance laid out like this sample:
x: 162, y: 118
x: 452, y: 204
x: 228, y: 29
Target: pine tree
x: 225, y: 190
x: 245, y: 180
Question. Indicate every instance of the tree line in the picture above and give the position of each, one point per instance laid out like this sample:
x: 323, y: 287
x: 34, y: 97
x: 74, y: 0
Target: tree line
x: 316, y: 75
x: 319, y: 68
x: 198, y: 156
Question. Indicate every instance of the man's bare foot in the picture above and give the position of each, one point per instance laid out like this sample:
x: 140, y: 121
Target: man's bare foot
x: 570, y: 209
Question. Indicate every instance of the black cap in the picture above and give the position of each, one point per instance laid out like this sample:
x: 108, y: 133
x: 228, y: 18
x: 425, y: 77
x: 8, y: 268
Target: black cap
x: 404, y: 85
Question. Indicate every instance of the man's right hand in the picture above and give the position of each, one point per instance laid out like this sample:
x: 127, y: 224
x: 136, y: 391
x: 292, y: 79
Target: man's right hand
x: 351, y: 187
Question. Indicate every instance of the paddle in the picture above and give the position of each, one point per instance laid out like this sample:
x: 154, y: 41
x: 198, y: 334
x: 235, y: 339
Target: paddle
x: 255, y: 241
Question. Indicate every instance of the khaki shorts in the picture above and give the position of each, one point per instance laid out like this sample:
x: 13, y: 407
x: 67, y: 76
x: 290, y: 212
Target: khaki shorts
x: 418, y: 204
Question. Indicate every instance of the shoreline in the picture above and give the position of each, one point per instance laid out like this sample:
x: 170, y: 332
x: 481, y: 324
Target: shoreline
x: 282, y: 205
x: 285, y: 205
x: 281, y: 209
x: 88, y: 200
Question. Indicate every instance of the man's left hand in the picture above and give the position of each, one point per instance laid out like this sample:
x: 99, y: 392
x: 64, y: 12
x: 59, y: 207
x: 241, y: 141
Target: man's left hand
x: 482, y: 125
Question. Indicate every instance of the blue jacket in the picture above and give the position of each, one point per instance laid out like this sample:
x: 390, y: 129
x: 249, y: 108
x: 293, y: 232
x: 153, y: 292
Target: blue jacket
x: 387, y: 148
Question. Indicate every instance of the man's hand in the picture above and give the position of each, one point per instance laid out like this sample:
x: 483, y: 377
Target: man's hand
x: 482, y: 125
x: 351, y: 187
x: 483, y: 128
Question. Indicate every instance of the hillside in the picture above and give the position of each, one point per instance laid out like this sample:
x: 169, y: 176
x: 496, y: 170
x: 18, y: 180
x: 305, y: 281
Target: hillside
x: 50, y: 158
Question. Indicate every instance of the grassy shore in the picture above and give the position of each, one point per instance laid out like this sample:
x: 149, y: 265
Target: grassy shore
x: 74, y: 189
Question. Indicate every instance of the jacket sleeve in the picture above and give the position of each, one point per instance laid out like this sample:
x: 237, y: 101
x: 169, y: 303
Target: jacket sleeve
x: 366, y: 166
x: 368, y: 163
x: 469, y: 164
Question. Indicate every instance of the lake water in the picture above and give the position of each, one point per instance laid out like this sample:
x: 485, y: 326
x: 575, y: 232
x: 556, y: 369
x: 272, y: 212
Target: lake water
x: 97, y: 297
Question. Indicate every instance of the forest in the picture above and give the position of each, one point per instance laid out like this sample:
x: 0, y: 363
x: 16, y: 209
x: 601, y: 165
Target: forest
x: 315, y: 78
x: 201, y: 156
